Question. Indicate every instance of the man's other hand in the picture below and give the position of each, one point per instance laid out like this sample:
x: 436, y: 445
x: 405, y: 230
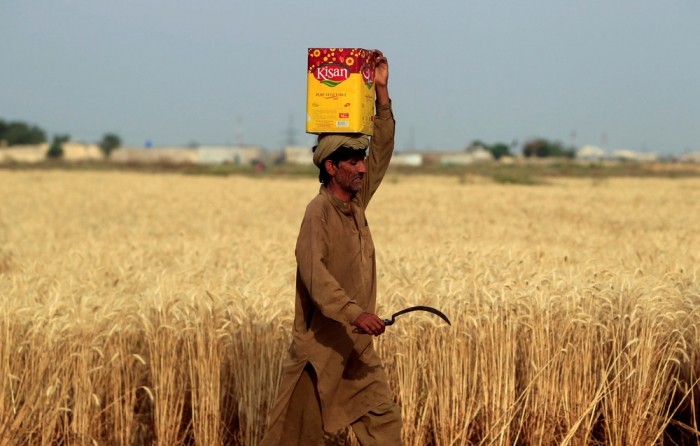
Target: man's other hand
x: 368, y: 323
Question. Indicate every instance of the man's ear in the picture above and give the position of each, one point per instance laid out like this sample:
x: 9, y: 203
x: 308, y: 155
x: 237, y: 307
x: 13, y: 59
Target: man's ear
x: 330, y: 167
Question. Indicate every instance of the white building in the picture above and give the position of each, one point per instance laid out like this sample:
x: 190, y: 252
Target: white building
x: 170, y: 155
x: 631, y: 155
x: 590, y: 153
x: 24, y: 154
x: 76, y: 151
x: 299, y: 155
x: 407, y: 159
x: 465, y: 158
x: 243, y: 155
x: 72, y: 151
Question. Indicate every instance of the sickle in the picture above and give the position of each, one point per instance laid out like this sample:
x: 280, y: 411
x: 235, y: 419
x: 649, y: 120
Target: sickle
x: 417, y: 308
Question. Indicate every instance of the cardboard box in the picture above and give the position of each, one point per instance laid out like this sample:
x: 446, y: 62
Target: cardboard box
x: 340, y: 91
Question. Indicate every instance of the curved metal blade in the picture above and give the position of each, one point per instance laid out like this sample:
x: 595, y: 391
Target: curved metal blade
x: 432, y: 310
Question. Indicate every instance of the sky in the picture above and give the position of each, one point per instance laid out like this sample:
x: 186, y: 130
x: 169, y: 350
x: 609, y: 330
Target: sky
x: 618, y: 74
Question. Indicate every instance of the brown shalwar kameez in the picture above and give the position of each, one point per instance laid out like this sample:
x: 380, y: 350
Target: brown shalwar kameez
x: 336, y: 281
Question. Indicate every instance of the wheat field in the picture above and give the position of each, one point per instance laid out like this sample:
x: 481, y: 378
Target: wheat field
x: 155, y: 309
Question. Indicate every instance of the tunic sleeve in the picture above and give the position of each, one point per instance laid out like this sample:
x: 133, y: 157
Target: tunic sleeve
x: 380, y: 151
x: 311, y: 254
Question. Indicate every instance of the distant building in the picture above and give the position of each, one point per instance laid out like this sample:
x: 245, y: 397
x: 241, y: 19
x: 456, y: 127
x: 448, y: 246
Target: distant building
x: 24, y: 154
x: 407, y: 159
x: 693, y: 157
x: 243, y: 155
x: 464, y: 158
x: 75, y: 151
x: 630, y: 155
x: 169, y: 155
x: 590, y: 153
x: 72, y: 151
x: 299, y: 155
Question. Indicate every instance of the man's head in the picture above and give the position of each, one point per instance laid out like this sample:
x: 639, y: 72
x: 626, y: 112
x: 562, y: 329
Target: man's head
x: 343, y: 155
x: 344, y: 171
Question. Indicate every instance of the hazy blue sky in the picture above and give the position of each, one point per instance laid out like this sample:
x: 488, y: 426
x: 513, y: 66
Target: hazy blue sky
x: 617, y: 73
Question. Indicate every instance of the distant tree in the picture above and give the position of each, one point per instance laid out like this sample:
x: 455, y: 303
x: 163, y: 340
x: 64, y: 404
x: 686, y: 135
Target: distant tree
x: 535, y: 147
x: 475, y: 145
x: 56, y: 149
x: 109, y: 143
x: 541, y: 148
x: 3, y: 129
x: 498, y: 150
x: 16, y: 133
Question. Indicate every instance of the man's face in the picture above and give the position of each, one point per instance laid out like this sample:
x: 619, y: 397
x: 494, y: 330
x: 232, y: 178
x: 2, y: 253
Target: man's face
x: 350, y: 173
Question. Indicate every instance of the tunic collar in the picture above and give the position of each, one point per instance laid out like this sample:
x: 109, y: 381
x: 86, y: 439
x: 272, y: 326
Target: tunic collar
x: 343, y: 206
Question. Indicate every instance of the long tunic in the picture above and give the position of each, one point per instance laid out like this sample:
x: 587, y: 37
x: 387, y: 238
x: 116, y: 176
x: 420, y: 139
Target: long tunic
x: 336, y: 281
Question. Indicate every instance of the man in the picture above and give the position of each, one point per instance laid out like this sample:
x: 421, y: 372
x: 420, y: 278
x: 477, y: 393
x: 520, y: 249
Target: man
x: 332, y: 376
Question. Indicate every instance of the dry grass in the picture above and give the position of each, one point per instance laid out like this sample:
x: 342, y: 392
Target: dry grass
x: 145, y: 309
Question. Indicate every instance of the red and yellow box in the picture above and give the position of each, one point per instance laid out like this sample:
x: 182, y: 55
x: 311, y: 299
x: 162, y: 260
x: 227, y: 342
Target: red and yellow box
x: 340, y: 91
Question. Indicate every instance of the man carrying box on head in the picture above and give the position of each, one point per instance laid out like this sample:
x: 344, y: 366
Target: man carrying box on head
x: 332, y: 377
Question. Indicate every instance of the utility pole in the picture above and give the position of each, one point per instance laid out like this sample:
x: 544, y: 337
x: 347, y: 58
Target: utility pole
x: 291, y: 132
x: 238, y: 129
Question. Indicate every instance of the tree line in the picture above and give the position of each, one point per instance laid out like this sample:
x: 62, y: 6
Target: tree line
x: 17, y: 133
x: 535, y: 148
